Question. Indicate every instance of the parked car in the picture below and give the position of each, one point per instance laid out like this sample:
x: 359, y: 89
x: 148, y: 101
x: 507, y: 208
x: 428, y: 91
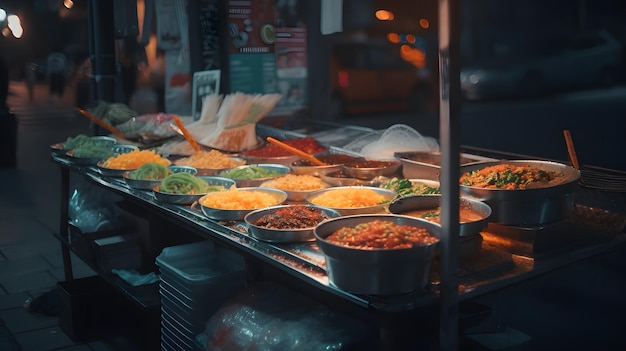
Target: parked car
x: 588, y: 59
x: 371, y: 76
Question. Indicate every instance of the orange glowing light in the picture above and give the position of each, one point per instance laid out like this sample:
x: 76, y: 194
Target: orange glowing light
x: 410, y: 38
x: 424, y: 23
x: 393, y: 38
x: 384, y: 15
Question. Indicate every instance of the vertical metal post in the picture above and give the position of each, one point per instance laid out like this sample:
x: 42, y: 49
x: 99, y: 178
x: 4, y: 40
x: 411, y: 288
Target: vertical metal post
x: 449, y: 123
x: 102, y: 49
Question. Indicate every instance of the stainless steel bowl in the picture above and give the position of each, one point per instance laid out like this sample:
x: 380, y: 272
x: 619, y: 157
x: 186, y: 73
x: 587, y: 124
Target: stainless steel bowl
x: 527, y: 207
x: 114, y: 172
x: 149, y: 184
x: 83, y: 161
x: 387, y: 195
x: 239, y: 214
x: 368, y: 169
x: 188, y: 199
x: 333, y: 162
x: 111, y: 172
x: 278, y: 170
x: 480, y: 211
x: 427, y: 165
x: 339, y: 178
x: 281, y: 160
x: 377, y: 271
x: 283, y: 235
x: 60, y: 150
x: 215, y: 171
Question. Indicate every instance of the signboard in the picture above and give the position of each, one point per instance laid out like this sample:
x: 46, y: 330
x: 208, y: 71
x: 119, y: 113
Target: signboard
x: 204, y: 83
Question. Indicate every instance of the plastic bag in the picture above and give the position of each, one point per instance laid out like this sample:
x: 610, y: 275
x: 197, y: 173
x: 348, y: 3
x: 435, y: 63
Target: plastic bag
x: 271, y: 317
x: 92, y: 209
x: 383, y: 144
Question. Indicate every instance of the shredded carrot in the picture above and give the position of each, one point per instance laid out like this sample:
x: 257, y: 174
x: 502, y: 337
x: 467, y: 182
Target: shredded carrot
x: 186, y: 134
x: 135, y: 159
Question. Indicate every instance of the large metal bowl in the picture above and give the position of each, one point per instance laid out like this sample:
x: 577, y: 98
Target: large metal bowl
x: 527, y: 207
x: 277, y: 169
x: 377, y: 271
x: 386, y: 194
x: 188, y: 199
x: 368, y: 169
x: 478, y: 210
x: 233, y: 214
x: 283, y: 235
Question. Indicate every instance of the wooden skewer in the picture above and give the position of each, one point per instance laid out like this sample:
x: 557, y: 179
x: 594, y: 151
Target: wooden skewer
x: 101, y: 123
x: 295, y: 151
x: 186, y: 134
x: 570, y: 149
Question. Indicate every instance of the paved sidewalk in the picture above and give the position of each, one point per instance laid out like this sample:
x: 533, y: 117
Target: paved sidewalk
x: 30, y: 256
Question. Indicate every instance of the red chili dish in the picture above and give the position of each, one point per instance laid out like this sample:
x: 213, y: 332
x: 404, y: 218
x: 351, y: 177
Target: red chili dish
x: 293, y: 217
x: 381, y: 235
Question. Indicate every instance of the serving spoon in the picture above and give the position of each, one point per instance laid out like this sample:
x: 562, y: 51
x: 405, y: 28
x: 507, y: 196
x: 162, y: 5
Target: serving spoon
x: 297, y: 152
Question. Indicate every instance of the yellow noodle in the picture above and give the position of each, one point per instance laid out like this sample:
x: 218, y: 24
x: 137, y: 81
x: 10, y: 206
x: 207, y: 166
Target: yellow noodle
x: 348, y: 198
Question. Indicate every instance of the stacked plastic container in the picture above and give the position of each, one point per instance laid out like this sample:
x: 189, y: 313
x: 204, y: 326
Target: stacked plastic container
x: 196, y: 279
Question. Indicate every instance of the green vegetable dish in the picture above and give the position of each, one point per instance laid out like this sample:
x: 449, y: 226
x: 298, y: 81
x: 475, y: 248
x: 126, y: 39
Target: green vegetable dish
x: 92, y: 151
x: 249, y: 173
x: 150, y: 171
x: 404, y: 187
x: 187, y: 184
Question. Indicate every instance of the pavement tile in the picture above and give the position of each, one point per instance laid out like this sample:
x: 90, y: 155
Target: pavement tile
x: 22, y: 227
x: 25, y: 249
x: 29, y: 282
x: 20, y: 320
x: 23, y: 266
x: 11, y: 301
x: 51, y: 338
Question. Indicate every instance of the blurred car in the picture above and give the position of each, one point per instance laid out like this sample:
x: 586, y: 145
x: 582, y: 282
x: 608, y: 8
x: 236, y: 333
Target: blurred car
x: 588, y: 59
x: 371, y: 76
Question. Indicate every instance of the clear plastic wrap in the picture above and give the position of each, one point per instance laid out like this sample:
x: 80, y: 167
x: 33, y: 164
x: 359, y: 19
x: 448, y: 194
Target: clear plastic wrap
x: 397, y: 138
x: 271, y: 317
x: 93, y: 209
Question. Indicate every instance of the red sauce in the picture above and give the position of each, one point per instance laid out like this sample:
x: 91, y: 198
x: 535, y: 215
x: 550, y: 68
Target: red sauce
x: 381, y: 235
x: 306, y: 144
x: 292, y: 217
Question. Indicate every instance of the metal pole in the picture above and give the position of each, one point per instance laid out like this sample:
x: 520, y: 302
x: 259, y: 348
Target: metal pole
x: 102, y: 49
x: 449, y: 123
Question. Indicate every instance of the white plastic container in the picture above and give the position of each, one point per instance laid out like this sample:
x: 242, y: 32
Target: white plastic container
x: 196, y: 279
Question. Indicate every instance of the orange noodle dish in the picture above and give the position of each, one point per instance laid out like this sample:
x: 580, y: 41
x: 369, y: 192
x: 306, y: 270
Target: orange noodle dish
x: 135, y: 159
x: 381, y: 234
x: 511, y: 177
